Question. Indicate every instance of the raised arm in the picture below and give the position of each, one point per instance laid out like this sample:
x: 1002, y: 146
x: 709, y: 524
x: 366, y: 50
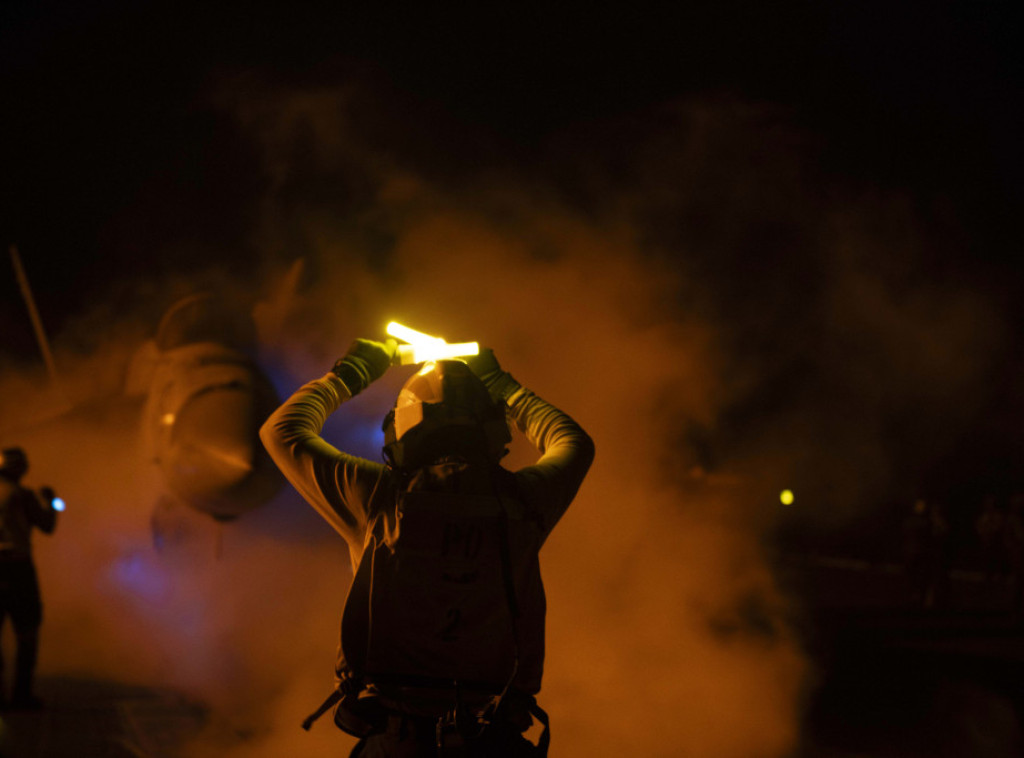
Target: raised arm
x: 566, y: 450
x: 40, y: 510
x: 339, y: 486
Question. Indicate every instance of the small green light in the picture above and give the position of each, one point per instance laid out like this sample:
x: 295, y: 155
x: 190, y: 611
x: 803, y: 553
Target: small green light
x: 786, y: 497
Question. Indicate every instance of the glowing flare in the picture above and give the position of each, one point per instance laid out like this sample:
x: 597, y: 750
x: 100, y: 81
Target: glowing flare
x: 57, y: 503
x: 424, y: 347
x: 404, y: 333
x: 423, y: 352
x: 786, y: 497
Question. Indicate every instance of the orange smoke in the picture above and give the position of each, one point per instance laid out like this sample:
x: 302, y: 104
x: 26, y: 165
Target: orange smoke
x: 667, y: 633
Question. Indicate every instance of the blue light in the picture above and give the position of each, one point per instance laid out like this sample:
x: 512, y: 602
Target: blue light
x: 135, y: 572
x: 355, y: 434
x: 57, y: 503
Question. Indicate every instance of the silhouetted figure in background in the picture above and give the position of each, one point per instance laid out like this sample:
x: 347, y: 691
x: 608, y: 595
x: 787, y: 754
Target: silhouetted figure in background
x: 940, y: 557
x: 1013, y: 540
x: 444, y: 546
x: 926, y: 554
x: 21, y: 510
x: 916, y: 533
x: 988, y: 528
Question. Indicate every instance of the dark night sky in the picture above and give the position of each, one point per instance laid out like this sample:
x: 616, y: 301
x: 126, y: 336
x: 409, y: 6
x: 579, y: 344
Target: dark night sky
x: 103, y: 107
x: 120, y: 165
x: 116, y: 166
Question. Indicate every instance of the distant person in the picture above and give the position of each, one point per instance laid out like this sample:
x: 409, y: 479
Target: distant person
x: 1013, y: 540
x: 988, y: 529
x: 916, y: 538
x: 926, y: 553
x: 21, y: 510
x: 940, y: 557
x: 442, y: 634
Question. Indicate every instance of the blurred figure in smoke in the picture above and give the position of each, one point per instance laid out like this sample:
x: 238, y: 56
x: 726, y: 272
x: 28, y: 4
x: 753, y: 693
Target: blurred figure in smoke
x: 916, y: 532
x: 1013, y: 540
x: 444, y: 546
x: 926, y: 553
x: 21, y: 509
x: 940, y: 555
x: 988, y: 527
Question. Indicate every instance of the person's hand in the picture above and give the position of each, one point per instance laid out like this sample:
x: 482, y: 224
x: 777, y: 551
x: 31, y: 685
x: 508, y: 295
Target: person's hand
x: 364, y: 363
x: 484, y: 364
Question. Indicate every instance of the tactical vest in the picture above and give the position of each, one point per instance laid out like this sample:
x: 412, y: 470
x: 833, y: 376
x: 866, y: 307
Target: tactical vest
x: 448, y: 592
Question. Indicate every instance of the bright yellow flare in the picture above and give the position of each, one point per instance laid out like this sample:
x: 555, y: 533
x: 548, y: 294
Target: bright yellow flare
x: 424, y: 347
x: 404, y: 333
x: 444, y: 351
x: 786, y: 497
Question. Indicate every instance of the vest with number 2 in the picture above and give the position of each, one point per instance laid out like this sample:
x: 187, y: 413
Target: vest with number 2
x: 449, y: 590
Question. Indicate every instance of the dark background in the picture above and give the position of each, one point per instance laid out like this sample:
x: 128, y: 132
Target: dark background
x: 117, y: 167
x: 102, y: 110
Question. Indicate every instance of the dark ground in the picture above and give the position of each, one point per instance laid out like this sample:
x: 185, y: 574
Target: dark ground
x: 84, y: 718
x: 897, y: 680
x: 903, y: 680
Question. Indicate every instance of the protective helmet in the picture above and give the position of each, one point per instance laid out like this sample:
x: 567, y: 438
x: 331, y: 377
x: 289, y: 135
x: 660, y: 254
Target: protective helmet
x: 13, y: 462
x: 444, y: 409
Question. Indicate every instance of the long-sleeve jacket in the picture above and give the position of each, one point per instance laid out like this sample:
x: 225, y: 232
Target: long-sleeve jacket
x: 360, y: 499
x: 21, y: 510
x: 348, y: 491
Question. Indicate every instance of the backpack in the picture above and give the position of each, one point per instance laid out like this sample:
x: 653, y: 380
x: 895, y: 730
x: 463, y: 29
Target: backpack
x: 446, y: 610
x: 436, y: 597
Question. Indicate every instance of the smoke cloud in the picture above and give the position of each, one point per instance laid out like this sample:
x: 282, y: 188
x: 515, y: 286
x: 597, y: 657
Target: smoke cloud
x: 698, y: 280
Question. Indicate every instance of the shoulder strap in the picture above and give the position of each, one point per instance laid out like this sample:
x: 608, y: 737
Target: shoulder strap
x: 326, y: 705
x: 545, y: 736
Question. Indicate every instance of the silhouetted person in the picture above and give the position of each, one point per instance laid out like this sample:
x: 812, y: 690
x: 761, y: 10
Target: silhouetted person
x: 21, y: 510
x: 916, y: 538
x: 442, y: 634
x: 926, y: 554
x: 1013, y: 539
x: 940, y: 556
x: 988, y: 528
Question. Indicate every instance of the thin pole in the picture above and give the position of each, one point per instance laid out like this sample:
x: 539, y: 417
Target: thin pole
x: 37, y: 324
